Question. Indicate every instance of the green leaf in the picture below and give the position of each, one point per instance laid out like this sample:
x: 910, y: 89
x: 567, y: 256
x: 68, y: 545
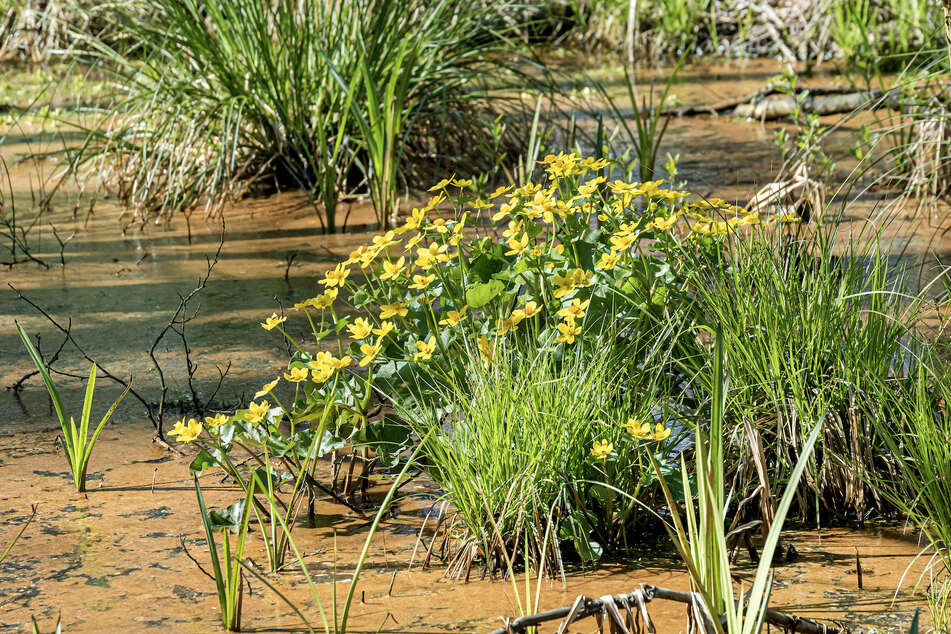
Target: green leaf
x: 228, y: 518
x: 479, y: 295
x: 204, y: 461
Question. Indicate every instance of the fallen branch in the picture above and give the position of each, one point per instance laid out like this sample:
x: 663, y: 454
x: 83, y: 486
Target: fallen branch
x: 585, y: 607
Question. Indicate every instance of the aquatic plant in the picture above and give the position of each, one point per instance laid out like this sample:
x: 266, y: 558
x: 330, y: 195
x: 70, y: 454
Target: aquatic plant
x: 77, y: 443
x: 19, y: 534
x: 543, y: 433
x: 701, y: 538
x: 227, y: 567
x: 327, y: 97
x: 812, y: 322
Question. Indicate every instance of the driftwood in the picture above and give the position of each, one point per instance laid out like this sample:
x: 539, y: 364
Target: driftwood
x: 767, y: 104
x: 609, y: 606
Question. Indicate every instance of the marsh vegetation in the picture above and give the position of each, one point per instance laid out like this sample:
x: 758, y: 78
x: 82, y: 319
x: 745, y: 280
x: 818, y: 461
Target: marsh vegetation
x: 515, y: 301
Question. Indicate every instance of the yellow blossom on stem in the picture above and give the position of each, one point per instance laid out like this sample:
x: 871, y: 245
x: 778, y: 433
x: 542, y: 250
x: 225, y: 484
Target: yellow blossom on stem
x: 440, y: 185
x: 369, y: 352
x: 267, y: 389
x: 393, y: 310
x: 216, y: 421
x: 602, y: 449
x: 186, y: 432
x: 452, y: 318
x: 608, y: 260
x: 426, y: 349
x: 336, y: 277
x: 257, y: 411
x: 420, y: 282
x: 486, y: 349
x: 530, y: 309
x: 517, y: 245
x: 360, y: 328
x: 392, y: 270
x: 296, y: 375
x: 575, y: 310
x: 272, y: 322
x: 568, y: 331
x: 385, y: 328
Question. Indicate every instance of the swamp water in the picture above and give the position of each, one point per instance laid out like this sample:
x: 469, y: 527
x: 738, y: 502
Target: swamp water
x: 114, y: 559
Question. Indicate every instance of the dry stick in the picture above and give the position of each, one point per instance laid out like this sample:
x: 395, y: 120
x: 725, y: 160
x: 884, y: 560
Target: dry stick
x: 858, y: 568
x: 585, y: 607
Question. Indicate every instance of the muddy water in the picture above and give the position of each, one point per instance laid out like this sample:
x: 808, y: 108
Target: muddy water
x: 113, y: 559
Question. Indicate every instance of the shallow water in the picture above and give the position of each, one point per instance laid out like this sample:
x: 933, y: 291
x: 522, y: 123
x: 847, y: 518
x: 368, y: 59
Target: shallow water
x: 113, y: 560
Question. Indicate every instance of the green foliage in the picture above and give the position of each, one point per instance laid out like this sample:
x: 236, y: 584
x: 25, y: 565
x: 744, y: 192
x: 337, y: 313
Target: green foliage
x: 77, y: 443
x: 812, y: 323
x: 702, y: 540
x: 227, y: 567
x: 218, y: 97
x: 538, y: 434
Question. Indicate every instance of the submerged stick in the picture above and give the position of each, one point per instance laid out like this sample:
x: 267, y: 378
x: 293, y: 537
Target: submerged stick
x: 585, y: 607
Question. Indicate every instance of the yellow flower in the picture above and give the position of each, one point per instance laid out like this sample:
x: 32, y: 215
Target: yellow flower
x: 665, y: 223
x: 217, y: 420
x: 602, y: 449
x: 391, y: 310
x: 507, y: 325
x: 462, y: 183
x: 415, y: 220
x: 267, y: 388
x: 637, y: 429
x: 186, y: 432
x: 568, y: 332
x: 342, y: 362
x: 385, y: 328
x: 361, y: 328
x: 622, y: 241
x: 565, y: 283
x: 499, y: 191
x: 453, y: 317
x: 392, y: 270
x: 486, y: 349
x: 608, y: 260
x: 440, y: 185
x: 426, y: 349
x: 272, y: 322
x: 575, y: 310
x: 661, y: 432
x: 369, y: 352
x: 789, y: 218
x: 257, y: 411
x: 504, y: 210
x: 322, y: 367
x: 336, y: 277
x: 325, y: 299
x: 296, y: 376
x: 527, y: 311
x: 420, y: 282
x: 517, y: 245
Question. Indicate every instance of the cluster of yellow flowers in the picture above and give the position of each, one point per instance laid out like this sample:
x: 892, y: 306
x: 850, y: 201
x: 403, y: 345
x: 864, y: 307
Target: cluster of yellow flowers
x: 188, y: 431
x: 601, y: 449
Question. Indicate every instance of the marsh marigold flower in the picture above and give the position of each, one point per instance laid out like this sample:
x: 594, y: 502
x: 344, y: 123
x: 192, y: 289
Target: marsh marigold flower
x: 336, y: 277
x: 452, y: 318
x: 370, y: 353
x: 420, y: 282
x: 425, y: 349
x: 297, y: 375
x: 272, y: 322
x: 568, y: 331
x: 360, y: 328
x: 397, y: 309
x: 385, y: 328
x: 575, y: 310
x: 392, y: 270
x: 216, y: 421
x: 602, y: 449
x: 267, y: 388
x: 186, y: 432
x: 608, y: 260
x: 257, y: 411
x: 529, y: 310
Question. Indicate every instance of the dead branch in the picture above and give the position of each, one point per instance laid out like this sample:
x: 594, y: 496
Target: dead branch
x: 585, y: 607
